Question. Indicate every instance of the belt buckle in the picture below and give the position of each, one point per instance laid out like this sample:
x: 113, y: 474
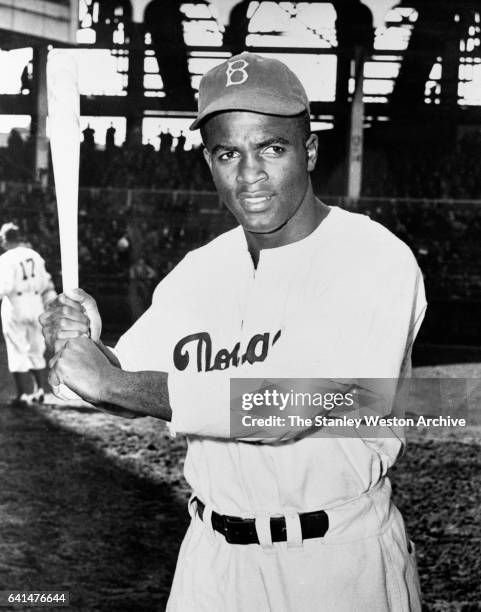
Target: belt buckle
x: 233, y: 529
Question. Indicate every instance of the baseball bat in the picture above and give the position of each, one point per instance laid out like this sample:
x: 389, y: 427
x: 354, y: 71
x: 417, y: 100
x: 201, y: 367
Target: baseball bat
x: 64, y: 131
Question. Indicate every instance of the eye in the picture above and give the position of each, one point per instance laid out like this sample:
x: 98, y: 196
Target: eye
x: 227, y: 156
x: 274, y: 150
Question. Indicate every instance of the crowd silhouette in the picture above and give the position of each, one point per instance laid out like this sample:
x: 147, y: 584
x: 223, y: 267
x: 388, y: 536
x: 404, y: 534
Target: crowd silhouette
x: 142, y: 167
x: 425, y: 170
x: 401, y: 171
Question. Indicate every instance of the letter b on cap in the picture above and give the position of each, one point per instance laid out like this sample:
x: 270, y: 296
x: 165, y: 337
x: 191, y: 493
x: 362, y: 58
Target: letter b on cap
x: 236, y: 72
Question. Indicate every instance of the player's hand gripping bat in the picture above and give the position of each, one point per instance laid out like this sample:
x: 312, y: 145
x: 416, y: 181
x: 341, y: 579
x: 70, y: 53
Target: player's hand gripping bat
x: 64, y: 130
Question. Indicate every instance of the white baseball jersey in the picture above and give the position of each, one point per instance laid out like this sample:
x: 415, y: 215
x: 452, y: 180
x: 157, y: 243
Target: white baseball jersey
x: 23, y: 278
x: 344, y: 302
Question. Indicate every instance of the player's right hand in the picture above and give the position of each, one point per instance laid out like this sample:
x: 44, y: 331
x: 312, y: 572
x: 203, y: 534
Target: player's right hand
x: 70, y: 316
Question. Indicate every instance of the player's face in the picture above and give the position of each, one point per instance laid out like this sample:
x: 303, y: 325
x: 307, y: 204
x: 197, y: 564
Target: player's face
x: 260, y: 165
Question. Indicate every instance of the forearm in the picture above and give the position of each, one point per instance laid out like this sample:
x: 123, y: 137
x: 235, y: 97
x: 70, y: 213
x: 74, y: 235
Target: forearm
x: 203, y: 405
x: 142, y: 393
x: 207, y: 405
x: 92, y: 371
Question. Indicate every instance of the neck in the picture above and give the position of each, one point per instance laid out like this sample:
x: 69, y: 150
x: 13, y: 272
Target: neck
x: 307, y: 218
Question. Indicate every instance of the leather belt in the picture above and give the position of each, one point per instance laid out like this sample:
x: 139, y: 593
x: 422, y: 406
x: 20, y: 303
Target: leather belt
x: 238, y: 530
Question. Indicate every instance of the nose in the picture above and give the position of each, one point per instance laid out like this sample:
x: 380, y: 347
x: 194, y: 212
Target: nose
x: 250, y: 171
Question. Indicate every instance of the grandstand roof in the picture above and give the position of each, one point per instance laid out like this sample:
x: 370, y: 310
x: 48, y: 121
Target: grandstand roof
x: 22, y: 22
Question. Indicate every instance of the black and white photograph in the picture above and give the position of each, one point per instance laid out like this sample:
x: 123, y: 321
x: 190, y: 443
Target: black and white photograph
x: 240, y: 299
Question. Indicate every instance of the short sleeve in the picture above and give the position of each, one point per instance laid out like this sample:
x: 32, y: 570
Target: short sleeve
x: 394, y: 318
x: 147, y: 345
x: 397, y: 321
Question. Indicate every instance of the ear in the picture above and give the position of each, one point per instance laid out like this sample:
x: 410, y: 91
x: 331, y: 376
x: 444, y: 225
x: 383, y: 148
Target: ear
x: 207, y: 158
x: 312, y: 148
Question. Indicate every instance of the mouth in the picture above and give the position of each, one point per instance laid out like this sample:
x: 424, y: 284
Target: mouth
x: 255, y: 202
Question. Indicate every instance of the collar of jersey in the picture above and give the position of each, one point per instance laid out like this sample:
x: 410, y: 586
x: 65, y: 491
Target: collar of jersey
x: 278, y: 254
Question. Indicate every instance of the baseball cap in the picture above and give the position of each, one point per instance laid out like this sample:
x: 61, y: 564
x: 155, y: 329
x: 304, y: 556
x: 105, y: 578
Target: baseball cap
x: 8, y: 227
x: 250, y: 82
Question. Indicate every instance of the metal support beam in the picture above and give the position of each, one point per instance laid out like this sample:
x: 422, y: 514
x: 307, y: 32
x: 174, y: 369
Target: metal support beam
x: 356, y: 136
x: 135, y: 86
x: 38, y: 127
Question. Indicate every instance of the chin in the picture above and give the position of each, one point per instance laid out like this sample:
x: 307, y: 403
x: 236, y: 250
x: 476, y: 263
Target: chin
x: 257, y: 223
x: 260, y: 222
x: 259, y: 227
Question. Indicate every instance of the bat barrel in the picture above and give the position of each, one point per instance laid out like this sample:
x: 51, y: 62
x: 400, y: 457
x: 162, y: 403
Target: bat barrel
x: 64, y: 133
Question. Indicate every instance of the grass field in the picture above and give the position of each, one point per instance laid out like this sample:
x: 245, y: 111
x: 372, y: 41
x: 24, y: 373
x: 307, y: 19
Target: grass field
x: 96, y: 505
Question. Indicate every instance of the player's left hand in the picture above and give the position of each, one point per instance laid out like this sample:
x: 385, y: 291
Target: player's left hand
x: 70, y: 316
x: 82, y: 366
x: 84, y: 369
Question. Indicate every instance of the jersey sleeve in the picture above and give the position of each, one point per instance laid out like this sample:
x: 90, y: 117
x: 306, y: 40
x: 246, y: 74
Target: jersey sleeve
x: 147, y: 345
x: 394, y: 320
x: 393, y: 327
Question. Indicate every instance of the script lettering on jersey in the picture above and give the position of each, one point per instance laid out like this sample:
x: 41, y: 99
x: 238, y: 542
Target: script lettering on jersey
x: 199, y: 345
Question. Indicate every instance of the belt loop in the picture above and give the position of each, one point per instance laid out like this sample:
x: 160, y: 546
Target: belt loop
x: 192, y: 506
x: 206, y: 514
x: 263, y: 529
x: 293, y: 530
x: 207, y: 519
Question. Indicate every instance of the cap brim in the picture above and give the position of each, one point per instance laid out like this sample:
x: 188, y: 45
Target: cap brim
x: 275, y: 105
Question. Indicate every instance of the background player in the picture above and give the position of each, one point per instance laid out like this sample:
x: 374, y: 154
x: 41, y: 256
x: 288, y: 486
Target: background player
x: 25, y: 287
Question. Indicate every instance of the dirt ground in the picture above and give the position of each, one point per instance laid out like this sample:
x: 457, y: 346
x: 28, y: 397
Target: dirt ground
x: 95, y: 505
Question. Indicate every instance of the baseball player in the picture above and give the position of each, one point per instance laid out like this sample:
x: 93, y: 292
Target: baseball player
x: 25, y: 285
x: 298, y: 289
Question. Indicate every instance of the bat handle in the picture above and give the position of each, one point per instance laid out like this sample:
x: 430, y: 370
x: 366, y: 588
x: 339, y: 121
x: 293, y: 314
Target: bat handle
x: 62, y: 392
